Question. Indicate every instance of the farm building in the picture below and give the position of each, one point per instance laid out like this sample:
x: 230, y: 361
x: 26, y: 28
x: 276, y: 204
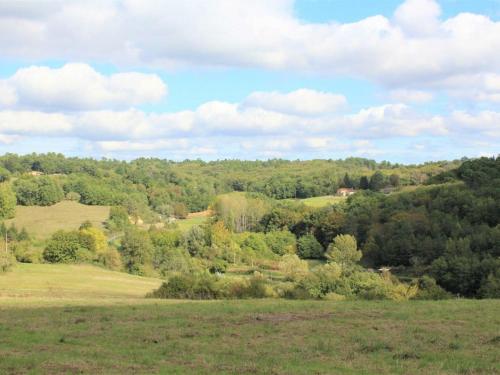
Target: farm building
x: 345, y: 192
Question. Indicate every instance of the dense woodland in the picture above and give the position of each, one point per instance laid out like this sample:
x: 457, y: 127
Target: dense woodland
x: 410, y: 231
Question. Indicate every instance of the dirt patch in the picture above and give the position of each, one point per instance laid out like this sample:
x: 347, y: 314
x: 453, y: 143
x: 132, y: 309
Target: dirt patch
x: 206, y: 213
x: 287, y: 317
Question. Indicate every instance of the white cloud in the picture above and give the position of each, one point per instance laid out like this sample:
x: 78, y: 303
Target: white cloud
x: 485, y: 124
x: 299, y: 102
x: 412, y: 50
x: 411, y: 96
x: 222, y: 119
x: 418, y: 17
x: 34, y: 123
x: 78, y: 87
x: 8, y: 96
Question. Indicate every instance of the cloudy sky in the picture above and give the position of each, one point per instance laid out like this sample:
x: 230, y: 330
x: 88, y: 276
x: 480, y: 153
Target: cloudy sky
x: 406, y: 81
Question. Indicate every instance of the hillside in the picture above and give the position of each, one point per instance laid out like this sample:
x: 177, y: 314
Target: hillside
x: 41, y: 222
x: 48, y: 281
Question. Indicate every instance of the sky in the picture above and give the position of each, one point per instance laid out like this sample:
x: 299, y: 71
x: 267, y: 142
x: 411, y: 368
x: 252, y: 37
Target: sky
x: 400, y: 80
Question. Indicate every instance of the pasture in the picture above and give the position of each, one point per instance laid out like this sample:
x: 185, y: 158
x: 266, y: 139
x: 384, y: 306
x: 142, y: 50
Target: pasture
x: 322, y: 201
x: 42, y: 222
x: 81, y: 319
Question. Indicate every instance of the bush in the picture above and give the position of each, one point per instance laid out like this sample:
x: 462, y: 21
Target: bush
x: 281, y: 242
x: 206, y: 286
x: 218, y: 266
x: 111, y: 259
x: 188, y: 286
x: 26, y: 253
x: 308, y: 247
x: 73, y: 196
x: 429, y: 290
x: 63, y: 247
x: 7, y: 261
x: 293, y: 267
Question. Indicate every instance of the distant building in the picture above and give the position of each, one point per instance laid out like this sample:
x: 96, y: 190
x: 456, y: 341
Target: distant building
x: 345, y: 192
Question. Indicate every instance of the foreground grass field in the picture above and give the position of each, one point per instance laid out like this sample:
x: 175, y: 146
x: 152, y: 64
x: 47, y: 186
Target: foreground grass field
x: 66, y: 319
x: 41, y: 222
x: 257, y: 337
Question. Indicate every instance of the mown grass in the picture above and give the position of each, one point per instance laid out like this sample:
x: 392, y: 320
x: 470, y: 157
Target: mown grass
x: 322, y: 201
x: 42, y: 222
x: 252, y: 336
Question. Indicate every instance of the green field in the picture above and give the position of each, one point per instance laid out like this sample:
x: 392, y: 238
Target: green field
x: 321, y: 201
x: 52, y: 281
x: 81, y: 319
x: 185, y: 224
x: 41, y: 222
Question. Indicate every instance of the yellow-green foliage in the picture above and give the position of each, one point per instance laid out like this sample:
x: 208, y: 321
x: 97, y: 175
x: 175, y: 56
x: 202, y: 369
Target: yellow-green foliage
x: 322, y: 201
x: 293, y: 267
x: 343, y: 250
x: 7, y: 261
x: 7, y: 201
x: 42, y: 222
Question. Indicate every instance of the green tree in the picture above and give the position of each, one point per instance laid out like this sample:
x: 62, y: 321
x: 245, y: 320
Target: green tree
x: 137, y: 251
x: 39, y: 191
x: 281, y: 242
x: 394, y: 180
x: 308, y: 247
x: 377, y: 181
x: 63, y: 247
x: 364, y: 184
x: 7, y: 201
x: 343, y: 250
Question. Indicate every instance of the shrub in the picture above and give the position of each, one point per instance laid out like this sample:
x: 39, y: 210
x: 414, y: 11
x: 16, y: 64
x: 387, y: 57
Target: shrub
x: 308, y: 247
x: 188, y: 286
x: 26, y: 253
x: 281, y: 242
x: 111, y: 259
x: 293, y: 267
x: 204, y: 285
x: 218, y: 266
x: 73, y: 196
x: 63, y: 247
x: 429, y: 290
x: 7, y: 261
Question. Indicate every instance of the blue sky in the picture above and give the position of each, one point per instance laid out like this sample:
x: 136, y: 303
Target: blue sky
x: 405, y: 81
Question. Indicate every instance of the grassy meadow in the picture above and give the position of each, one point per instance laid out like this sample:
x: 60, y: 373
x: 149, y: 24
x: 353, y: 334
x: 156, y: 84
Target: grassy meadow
x: 322, y: 201
x: 72, y: 281
x: 41, y: 222
x: 61, y: 319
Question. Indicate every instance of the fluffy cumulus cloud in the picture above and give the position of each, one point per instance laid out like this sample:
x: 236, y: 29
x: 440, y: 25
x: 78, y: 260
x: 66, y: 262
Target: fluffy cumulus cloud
x: 78, y: 87
x: 301, y: 102
x: 268, y: 130
x: 415, y: 47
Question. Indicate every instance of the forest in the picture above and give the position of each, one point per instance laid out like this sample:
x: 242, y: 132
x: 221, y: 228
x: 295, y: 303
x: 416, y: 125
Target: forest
x: 429, y: 231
